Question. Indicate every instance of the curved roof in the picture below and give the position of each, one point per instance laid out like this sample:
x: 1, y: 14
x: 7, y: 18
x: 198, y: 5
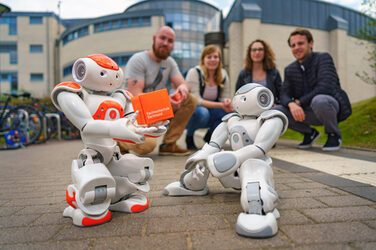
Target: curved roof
x: 302, y: 13
x: 197, y: 1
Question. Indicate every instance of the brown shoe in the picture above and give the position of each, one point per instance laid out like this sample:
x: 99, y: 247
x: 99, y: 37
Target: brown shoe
x: 173, y: 149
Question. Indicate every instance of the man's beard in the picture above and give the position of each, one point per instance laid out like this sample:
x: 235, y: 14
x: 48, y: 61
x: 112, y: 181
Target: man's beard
x: 159, y: 54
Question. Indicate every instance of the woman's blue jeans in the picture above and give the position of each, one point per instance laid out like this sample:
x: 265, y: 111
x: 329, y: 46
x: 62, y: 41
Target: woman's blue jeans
x: 205, y: 118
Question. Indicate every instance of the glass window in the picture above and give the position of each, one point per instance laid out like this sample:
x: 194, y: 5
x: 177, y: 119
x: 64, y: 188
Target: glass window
x: 146, y: 21
x: 36, y: 77
x: 124, y: 22
x: 187, y: 54
x: 186, y: 17
x: 67, y: 70
x: 106, y: 25
x: 36, y: 48
x: 97, y: 27
x: 36, y: 20
x: 12, y: 24
x: 186, y: 26
x: 178, y: 26
x: 4, y: 77
x: 135, y: 21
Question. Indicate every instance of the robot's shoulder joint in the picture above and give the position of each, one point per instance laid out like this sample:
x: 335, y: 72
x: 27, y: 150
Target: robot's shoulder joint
x: 228, y: 116
x: 274, y: 113
x: 65, y: 87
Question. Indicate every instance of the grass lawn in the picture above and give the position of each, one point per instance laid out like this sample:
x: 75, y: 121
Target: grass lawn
x: 359, y: 130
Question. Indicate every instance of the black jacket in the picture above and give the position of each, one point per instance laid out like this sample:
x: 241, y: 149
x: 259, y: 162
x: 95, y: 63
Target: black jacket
x: 273, y: 81
x: 321, y: 78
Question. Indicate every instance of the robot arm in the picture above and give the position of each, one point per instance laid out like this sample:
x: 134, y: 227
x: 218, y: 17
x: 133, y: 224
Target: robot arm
x: 217, y: 140
x: 224, y: 163
x: 77, y: 112
x: 74, y: 108
x: 266, y: 137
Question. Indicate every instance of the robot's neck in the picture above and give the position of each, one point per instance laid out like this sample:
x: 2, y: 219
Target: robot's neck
x: 95, y: 92
x: 249, y: 116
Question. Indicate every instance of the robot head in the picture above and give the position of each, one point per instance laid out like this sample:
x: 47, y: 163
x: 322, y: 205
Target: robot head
x: 252, y: 99
x: 97, y: 72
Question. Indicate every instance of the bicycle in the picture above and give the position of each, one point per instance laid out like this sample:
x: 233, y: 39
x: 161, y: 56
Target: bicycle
x: 19, y: 125
x: 57, y: 124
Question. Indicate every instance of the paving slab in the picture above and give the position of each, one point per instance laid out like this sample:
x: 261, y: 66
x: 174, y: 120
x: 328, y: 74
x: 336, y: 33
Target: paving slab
x: 319, y: 210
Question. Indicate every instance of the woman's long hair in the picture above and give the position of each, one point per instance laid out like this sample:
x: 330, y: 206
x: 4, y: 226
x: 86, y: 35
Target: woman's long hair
x: 269, y: 59
x: 218, y: 78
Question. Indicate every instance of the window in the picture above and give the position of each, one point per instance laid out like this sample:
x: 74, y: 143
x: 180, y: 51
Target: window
x: 146, y: 21
x: 34, y: 77
x: 67, y: 70
x: 121, y: 60
x: 79, y: 33
x: 12, y: 50
x: 36, y: 20
x: 4, y: 77
x: 36, y: 48
x: 10, y: 77
x: 122, y: 23
x: 12, y: 24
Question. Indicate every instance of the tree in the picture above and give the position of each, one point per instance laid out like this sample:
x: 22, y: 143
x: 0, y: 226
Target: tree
x: 368, y: 33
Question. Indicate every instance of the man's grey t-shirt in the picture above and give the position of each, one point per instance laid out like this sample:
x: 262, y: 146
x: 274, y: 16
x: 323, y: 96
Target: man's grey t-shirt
x: 141, y: 66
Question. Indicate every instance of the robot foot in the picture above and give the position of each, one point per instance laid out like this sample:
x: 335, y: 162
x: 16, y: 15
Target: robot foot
x: 257, y: 226
x: 130, y: 204
x: 84, y: 220
x: 176, y: 189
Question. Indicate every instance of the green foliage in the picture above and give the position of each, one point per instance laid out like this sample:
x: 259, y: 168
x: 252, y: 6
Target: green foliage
x: 368, y: 33
x: 359, y: 130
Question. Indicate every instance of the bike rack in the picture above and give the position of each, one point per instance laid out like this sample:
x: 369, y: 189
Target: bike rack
x: 58, y: 123
x: 27, y: 123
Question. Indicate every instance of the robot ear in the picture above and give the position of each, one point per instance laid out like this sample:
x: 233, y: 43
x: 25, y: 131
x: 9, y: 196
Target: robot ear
x: 265, y: 98
x: 79, y: 70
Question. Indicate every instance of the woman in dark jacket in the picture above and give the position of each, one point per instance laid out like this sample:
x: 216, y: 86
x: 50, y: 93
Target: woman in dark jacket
x: 260, y: 68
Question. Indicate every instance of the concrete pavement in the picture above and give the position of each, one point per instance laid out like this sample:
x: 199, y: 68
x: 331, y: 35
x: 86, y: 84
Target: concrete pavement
x: 327, y: 201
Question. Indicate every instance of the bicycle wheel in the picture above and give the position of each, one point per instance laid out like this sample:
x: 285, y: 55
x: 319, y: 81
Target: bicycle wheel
x: 68, y: 130
x: 12, y: 135
x: 33, y: 126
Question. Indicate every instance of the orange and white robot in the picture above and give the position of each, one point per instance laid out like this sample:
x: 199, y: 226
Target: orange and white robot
x: 103, y: 179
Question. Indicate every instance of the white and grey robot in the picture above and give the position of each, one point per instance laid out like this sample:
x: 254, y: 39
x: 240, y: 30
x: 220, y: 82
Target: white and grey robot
x: 103, y: 179
x: 252, y: 132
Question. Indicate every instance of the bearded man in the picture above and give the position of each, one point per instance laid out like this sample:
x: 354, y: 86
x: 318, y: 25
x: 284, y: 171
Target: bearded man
x: 150, y: 70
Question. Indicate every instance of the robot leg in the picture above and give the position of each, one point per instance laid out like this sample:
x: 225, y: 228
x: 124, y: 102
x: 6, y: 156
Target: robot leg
x: 192, y: 182
x: 258, y: 199
x: 90, y: 194
x: 131, y: 174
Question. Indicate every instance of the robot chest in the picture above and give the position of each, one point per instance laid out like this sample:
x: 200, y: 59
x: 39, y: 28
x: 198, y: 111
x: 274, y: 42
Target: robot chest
x: 243, y: 134
x: 107, y: 109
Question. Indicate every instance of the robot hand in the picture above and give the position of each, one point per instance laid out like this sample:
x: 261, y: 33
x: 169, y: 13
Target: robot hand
x: 200, y: 156
x: 124, y: 129
x: 222, y: 164
x: 156, y: 129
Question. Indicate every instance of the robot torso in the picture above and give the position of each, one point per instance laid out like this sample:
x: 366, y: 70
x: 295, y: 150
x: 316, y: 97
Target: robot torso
x: 104, y: 107
x: 242, y: 132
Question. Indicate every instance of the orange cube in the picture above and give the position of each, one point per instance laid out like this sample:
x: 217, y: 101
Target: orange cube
x: 152, y: 107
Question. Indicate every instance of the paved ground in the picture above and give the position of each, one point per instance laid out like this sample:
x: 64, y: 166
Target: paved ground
x: 322, y: 208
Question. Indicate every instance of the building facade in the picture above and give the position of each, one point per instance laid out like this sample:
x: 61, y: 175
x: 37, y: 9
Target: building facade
x: 37, y: 50
x: 28, y: 52
x: 334, y: 29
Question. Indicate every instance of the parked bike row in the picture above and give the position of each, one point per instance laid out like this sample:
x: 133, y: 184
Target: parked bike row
x: 31, y: 122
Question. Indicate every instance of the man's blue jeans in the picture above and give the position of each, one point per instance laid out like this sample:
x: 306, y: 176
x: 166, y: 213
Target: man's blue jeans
x: 205, y: 118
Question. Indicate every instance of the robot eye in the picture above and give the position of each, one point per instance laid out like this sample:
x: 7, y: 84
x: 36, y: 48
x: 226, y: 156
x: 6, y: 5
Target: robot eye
x: 117, y: 76
x: 103, y: 73
x: 243, y: 99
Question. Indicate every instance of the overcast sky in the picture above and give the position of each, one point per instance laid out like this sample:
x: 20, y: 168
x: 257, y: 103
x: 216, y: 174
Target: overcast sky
x: 96, y: 8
